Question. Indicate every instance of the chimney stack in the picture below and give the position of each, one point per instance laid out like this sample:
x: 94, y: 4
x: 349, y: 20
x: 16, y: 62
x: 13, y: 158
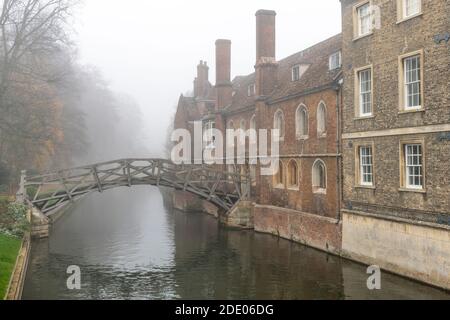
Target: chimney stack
x: 265, y: 35
x: 223, y: 73
x: 201, y: 82
x: 266, y: 64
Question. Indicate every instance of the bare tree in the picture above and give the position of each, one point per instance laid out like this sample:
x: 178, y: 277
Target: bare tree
x: 34, y: 54
x: 31, y: 30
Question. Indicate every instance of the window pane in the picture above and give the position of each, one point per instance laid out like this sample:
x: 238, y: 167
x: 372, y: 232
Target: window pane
x: 414, y: 163
x: 412, y: 82
x: 364, y: 19
x: 366, y: 164
x: 411, y: 7
x: 365, y: 87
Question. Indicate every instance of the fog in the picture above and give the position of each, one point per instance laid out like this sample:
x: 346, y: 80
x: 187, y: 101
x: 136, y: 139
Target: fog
x: 148, y: 50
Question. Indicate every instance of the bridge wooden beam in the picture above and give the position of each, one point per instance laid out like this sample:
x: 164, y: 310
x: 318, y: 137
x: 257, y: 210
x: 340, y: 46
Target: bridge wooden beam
x: 96, y: 177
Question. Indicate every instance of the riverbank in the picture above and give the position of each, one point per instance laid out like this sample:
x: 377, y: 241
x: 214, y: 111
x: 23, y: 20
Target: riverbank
x: 9, y: 250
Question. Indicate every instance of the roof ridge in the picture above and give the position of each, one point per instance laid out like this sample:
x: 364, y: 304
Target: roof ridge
x: 312, y: 47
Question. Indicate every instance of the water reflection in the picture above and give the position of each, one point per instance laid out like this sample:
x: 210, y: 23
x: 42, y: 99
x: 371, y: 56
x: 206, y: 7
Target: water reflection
x: 130, y: 244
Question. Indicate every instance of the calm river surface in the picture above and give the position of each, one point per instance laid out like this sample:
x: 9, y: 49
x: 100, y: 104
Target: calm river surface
x: 130, y: 244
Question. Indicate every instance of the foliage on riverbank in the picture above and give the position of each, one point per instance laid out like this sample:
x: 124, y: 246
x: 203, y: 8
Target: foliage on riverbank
x: 9, y: 248
x: 13, y: 218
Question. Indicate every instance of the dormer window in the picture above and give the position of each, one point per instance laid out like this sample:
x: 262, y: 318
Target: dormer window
x: 251, y: 90
x: 296, y: 73
x: 335, y: 61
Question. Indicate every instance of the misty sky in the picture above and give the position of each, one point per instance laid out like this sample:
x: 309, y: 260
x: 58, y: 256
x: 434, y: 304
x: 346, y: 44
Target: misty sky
x: 150, y: 49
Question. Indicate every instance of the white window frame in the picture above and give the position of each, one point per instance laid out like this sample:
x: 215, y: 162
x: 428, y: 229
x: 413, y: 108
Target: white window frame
x: 359, y: 18
x: 295, y: 73
x: 405, y: 14
x: 362, y: 93
x: 410, y: 164
x: 366, y: 162
x: 335, y: 61
x: 407, y: 85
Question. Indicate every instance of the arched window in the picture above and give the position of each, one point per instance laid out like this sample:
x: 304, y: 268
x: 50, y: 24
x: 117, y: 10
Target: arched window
x: 321, y: 119
x: 253, y: 123
x: 319, y: 176
x: 301, y: 121
x: 293, y: 174
x: 279, y: 122
x: 230, y: 124
x: 242, y: 125
x: 279, y: 176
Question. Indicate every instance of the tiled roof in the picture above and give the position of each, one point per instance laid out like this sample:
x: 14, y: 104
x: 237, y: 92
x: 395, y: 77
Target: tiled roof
x: 188, y: 106
x: 314, y: 59
x: 317, y: 75
x: 240, y: 93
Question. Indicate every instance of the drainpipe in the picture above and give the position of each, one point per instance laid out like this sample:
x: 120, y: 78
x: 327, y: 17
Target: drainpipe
x: 339, y: 147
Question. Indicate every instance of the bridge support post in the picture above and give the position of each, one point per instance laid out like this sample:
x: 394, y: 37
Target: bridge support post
x: 21, y: 193
x: 240, y: 216
x: 40, y: 224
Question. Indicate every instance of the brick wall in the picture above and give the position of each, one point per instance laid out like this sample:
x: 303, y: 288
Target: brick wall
x: 382, y: 50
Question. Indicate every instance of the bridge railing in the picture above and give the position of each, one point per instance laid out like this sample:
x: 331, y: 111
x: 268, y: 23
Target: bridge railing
x: 51, y: 191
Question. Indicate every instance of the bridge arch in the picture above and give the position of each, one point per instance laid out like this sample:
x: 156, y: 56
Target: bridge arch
x: 50, y: 192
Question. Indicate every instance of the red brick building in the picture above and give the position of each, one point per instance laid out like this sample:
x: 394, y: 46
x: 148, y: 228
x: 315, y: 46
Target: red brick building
x: 364, y: 151
x: 300, y: 95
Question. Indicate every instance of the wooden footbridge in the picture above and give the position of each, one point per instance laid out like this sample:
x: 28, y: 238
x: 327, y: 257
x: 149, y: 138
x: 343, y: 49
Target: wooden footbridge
x: 50, y: 192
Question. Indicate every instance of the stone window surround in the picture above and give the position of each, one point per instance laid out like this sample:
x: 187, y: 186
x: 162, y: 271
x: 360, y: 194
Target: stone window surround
x: 357, y: 92
x: 401, y: 14
x: 297, y: 186
x: 356, y: 34
x: 316, y: 189
x: 401, y: 82
x: 357, y: 183
x: 276, y: 183
x: 402, y: 165
x: 325, y: 119
x: 283, y: 128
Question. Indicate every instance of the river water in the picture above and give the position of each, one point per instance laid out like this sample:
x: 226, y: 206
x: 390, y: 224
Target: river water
x: 130, y: 244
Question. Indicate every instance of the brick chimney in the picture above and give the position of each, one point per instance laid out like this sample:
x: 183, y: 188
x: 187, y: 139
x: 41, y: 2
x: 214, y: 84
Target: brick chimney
x: 201, y: 82
x: 223, y: 73
x: 266, y: 65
